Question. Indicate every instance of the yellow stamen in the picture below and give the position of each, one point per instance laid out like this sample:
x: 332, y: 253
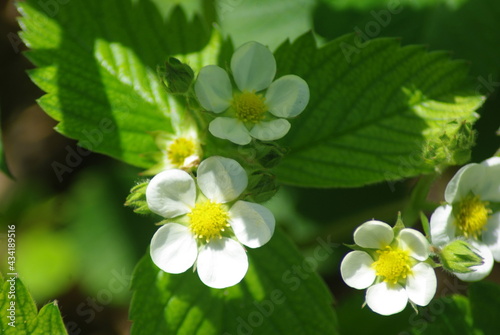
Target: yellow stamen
x: 472, y: 216
x: 207, y: 220
x: 393, y: 264
x: 180, y: 149
x: 249, y: 107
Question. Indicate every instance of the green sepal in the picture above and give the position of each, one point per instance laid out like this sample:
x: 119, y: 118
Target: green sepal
x: 262, y: 186
x: 425, y: 224
x: 414, y: 306
x: 354, y: 247
x: 459, y: 256
x: 176, y: 76
x: 399, y: 225
x: 137, y: 198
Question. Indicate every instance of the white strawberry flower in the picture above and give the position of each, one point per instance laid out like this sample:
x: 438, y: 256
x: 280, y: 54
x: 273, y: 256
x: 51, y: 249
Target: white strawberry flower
x: 207, y: 224
x: 392, y: 268
x: 181, y: 150
x: 471, y: 196
x: 259, y: 106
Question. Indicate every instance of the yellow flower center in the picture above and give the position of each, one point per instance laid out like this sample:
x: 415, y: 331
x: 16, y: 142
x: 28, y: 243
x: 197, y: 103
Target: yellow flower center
x: 392, y: 264
x: 179, y: 150
x: 207, y: 220
x: 472, y: 216
x: 249, y: 107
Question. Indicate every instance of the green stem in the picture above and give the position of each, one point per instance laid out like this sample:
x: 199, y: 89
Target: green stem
x: 194, y: 110
x: 418, y: 200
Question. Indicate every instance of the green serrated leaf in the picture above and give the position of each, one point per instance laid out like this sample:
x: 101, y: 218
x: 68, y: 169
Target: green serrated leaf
x: 373, y: 109
x: 15, y: 295
x: 18, y: 314
x: 281, y: 294
x: 269, y: 22
x: 97, y: 62
x: 49, y: 321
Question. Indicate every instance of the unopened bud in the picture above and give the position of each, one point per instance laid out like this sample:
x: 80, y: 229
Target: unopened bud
x: 459, y: 256
x: 137, y: 199
x: 176, y: 76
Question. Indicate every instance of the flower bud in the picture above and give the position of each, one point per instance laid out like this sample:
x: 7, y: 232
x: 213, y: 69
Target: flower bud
x: 459, y: 256
x: 137, y: 199
x: 176, y: 76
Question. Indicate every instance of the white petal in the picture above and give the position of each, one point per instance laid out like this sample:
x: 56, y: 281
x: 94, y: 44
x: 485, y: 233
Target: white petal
x: 357, y: 271
x: 441, y: 225
x: 253, y: 224
x: 491, y: 237
x: 373, y: 234
x: 386, y: 299
x: 270, y: 130
x: 421, y: 284
x: 222, y: 263
x: 413, y: 241
x: 480, y: 271
x: 288, y: 96
x: 490, y: 189
x: 213, y: 89
x: 253, y: 66
x: 171, y: 193
x: 230, y: 129
x: 221, y: 179
x: 466, y: 180
x: 173, y: 248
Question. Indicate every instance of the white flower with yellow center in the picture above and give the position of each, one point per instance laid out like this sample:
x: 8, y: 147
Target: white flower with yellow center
x: 471, y: 196
x: 181, y: 150
x: 207, y: 226
x: 391, y: 267
x: 259, y: 107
